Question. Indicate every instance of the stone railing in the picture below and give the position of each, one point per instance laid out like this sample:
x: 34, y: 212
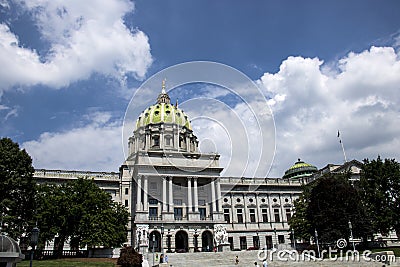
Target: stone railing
x: 259, y: 181
x: 63, y: 174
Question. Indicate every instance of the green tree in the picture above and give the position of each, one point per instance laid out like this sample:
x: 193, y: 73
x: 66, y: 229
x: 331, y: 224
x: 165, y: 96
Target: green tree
x: 299, y: 221
x: 81, y: 211
x: 17, y: 188
x: 327, y: 205
x: 380, y: 188
x: 334, y: 202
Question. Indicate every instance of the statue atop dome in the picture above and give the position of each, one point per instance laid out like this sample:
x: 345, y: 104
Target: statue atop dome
x: 163, y: 97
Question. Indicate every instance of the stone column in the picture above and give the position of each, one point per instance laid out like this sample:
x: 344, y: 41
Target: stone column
x: 148, y: 145
x: 196, y: 195
x: 190, y: 205
x: 145, y: 193
x: 171, y: 196
x: 176, y: 139
x: 187, y: 143
x: 214, y: 206
x: 164, y: 194
x: 139, y: 193
x: 219, y: 197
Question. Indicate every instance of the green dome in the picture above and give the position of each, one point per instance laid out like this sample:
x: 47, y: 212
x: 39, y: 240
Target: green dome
x: 163, y: 113
x: 300, y: 169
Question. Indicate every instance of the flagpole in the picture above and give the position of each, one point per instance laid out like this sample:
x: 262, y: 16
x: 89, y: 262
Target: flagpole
x: 340, y: 141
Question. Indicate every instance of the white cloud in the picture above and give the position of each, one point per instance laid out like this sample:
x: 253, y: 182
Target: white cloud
x: 95, y: 146
x: 7, y: 112
x: 359, y: 95
x: 85, y: 37
x: 241, y: 132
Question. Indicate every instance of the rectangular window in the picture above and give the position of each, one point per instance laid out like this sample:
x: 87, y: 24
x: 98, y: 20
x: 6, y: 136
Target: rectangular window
x: 126, y: 191
x: 178, y: 213
x: 230, y: 241
x: 227, y: 216
x: 276, y: 215
x: 202, y: 213
x: 168, y: 141
x: 252, y: 215
x: 156, y: 141
x: 202, y: 202
x: 264, y: 213
x: 178, y: 202
x: 243, y: 243
x: 153, y: 213
x: 239, y: 215
x: 268, y: 241
x: 281, y: 239
x: 126, y: 203
x: 288, y: 214
x: 256, y: 242
x: 153, y: 201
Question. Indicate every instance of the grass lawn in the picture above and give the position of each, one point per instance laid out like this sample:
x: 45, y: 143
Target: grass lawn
x: 86, y: 262
x: 396, y: 250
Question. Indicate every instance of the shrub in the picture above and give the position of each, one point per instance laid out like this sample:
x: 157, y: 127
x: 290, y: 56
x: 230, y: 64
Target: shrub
x: 128, y: 257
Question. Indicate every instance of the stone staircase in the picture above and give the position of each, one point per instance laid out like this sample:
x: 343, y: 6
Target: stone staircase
x: 247, y: 259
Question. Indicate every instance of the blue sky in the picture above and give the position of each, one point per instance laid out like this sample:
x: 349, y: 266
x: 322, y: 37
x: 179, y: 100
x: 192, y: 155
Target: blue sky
x: 69, y: 70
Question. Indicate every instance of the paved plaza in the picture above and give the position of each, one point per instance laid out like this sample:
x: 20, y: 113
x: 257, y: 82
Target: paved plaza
x: 247, y: 259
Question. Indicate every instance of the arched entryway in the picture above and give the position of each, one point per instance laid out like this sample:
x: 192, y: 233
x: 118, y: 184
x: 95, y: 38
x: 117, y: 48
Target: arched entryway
x: 157, y: 241
x: 181, y: 241
x: 207, y: 243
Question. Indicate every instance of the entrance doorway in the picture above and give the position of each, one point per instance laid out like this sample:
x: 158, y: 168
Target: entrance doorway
x: 181, y: 241
x: 156, y: 243
x: 207, y: 243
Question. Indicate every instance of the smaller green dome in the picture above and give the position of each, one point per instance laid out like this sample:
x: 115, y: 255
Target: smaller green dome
x: 300, y: 169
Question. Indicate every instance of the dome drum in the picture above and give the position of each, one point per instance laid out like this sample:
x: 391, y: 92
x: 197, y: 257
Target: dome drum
x: 300, y: 169
x: 163, y: 126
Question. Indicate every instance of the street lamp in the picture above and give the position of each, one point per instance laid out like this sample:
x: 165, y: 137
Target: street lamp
x: 294, y: 239
x: 351, y: 235
x: 154, y: 241
x: 34, y: 241
x: 276, y: 241
x: 316, y: 238
x: 258, y: 240
x: 195, y: 240
x: 162, y: 239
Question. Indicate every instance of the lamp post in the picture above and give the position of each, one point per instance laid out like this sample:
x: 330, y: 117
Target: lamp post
x: 316, y: 238
x: 34, y: 241
x: 276, y: 241
x: 195, y: 240
x: 258, y: 240
x: 154, y: 241
x: 162, y: 239
x: 294, y: 239
x: 351, y: 235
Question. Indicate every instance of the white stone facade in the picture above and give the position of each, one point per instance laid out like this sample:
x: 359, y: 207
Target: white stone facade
x: 175, y: 193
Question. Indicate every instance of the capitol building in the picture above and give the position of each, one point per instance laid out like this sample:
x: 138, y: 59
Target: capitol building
x: 177, y: 200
